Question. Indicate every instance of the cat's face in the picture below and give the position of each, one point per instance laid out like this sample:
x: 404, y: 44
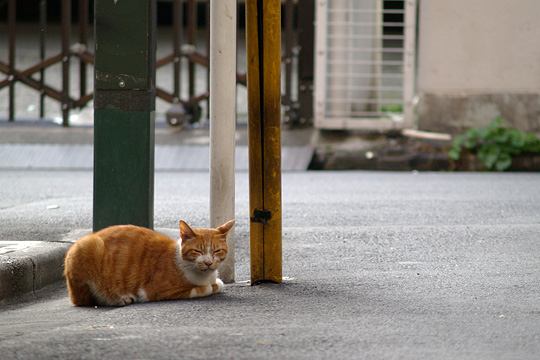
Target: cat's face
x: 204, y: 248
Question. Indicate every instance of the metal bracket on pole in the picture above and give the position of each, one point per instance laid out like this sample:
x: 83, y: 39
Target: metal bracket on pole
x: 263, y: 37
x: 124, y: 113
x: 261, y: 216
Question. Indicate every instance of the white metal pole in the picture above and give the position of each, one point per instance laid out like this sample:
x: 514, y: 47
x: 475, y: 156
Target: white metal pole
x: 409, y: 61
x: 223, y: 120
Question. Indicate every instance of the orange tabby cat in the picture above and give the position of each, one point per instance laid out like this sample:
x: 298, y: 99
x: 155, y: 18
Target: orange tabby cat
x: 124, y: 264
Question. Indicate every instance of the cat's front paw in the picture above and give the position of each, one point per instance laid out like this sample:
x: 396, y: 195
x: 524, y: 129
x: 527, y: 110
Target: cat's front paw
x: 218, y: 286
x: 126, y: 300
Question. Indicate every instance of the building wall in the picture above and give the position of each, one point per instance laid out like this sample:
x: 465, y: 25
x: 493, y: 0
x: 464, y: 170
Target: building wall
x: 477, y: 60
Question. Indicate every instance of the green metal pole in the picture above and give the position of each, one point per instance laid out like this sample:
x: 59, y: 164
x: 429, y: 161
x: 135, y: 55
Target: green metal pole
x: 124, y: 108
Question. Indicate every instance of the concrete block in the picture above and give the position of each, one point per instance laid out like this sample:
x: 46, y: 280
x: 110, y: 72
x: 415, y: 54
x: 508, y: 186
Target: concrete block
x: 454, y: 113
x: 49, y: 265
x: 16, y: 276
x: 31, y: 268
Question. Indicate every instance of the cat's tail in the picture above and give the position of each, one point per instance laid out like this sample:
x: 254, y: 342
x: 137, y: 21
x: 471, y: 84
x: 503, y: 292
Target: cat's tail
x: 80, y: 269
x: 80, y: 293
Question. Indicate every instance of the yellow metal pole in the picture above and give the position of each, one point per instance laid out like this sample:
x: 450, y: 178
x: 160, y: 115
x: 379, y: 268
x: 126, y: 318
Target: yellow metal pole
x: 263, y: 37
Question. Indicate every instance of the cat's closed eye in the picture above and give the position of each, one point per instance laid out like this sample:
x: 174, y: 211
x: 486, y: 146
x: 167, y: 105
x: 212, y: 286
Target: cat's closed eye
x: 194, y: 253
x: 219, y: 252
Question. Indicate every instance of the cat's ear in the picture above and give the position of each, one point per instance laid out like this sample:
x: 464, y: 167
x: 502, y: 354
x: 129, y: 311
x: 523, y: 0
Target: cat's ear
x: 225, y: 228
x: 186, y: 232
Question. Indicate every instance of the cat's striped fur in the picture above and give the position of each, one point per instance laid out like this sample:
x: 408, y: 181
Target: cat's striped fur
x: 124, y: 264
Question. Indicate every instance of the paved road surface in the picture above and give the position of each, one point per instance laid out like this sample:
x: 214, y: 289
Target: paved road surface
x: 381, y: 266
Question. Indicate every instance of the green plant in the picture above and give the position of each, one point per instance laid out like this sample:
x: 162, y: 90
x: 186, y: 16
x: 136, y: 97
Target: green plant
x: 495, y: 144
x: 392, y: 108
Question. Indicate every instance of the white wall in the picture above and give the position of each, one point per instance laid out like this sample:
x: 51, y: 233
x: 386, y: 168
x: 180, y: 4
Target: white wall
x: 478, y: 59
x: 479, y: 46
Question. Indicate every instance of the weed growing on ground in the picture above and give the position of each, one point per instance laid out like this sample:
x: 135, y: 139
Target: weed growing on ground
x: 495, y: 145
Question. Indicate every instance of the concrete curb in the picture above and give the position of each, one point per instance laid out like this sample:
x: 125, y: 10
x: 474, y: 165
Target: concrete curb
x: 31, y: 269
x: 34, y: 267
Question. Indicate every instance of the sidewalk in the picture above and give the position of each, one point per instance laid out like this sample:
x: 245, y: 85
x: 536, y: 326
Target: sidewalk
x: 379, y: 265
x: 46, y: 146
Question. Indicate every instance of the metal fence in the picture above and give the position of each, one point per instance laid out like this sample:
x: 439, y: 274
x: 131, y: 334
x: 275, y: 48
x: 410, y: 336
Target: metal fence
x: 365, y: 56
x: 75, y: 51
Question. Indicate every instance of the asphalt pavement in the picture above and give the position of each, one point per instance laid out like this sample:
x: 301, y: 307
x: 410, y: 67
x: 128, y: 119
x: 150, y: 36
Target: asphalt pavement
x: 379, y: 265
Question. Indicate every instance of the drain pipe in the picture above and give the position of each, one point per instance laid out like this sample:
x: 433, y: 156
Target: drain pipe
x: 223, y: 121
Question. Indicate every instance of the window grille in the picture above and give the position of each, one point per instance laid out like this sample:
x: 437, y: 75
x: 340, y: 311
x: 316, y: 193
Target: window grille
x: 365, y: 64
